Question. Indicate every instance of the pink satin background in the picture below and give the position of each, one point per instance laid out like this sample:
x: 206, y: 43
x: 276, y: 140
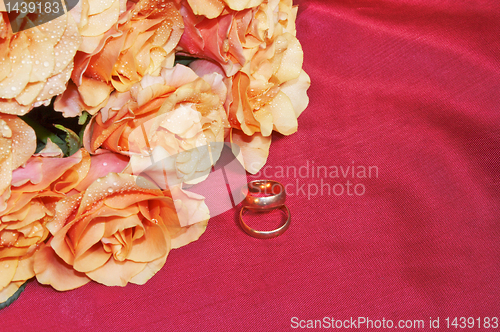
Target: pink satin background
x: 412, y: 87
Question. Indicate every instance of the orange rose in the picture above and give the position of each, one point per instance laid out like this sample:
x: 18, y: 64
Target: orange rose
x: 179, y: 112
x: 117, y: 231
x: 35, y: 189
x: 261, y: 58
x: 36, y: 63
x: 141, y: 43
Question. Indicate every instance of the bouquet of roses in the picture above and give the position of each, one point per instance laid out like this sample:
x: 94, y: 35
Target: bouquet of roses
x: 86, y: 98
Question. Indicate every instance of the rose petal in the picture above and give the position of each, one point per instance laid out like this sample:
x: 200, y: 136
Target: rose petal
x: 65, y: 49
x: 96, y: 7
x: 92, y: 259
x: 50, y: 169
x: 190, y: 207
x: 8, y: 268
x: 51, y: 270
x: 149, y: 271
x: 101, y: 165
x: 153, y: 245
x: 50, y: 150
x: 283, y: 114
x: 74, y: 175
x: 92, y: 234
x: 12, y: 86
x: 43, y: 48
x: 296, y: 91
x: 64, y: 209
x: 10, y: 290
x: 242, y: 4
x: 253, y: 150
x: 115, y: 224
x: 25, y: 268
x: 70, y: 102
x: 291, y: 62
x: 23, y: 139
x: 186, y: 235
x: 106, y: 189
x: 30, y: 92
x: 31, y: 172
x: 12, y: 252
x: 11, y: 106
x: 94, y: 92
x: 102, y: 22
x: 210, y: 9
x: 56, y: 84
x: 5, y: 63
x: 115, y: 273
x: 5, y: 158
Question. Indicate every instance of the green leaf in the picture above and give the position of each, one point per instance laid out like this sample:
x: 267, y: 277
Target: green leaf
x: 83, y: 118
x: 73, y: 142
x: 13, y: 297
x: 43, y: 133
x: 83, y: 121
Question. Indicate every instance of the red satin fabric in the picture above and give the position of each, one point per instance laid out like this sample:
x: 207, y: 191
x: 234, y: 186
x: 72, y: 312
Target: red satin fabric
x: 411, y: 87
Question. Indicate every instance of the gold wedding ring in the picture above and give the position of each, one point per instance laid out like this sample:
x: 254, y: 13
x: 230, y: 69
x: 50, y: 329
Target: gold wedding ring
x: 262, y: 196
x: 265, y: 234
x: 274, y: 192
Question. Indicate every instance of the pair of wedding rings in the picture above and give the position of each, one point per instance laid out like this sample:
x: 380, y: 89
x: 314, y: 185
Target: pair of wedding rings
x: 264, y: 196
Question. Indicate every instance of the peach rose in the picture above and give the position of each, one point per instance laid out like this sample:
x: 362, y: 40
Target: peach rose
x: 36, y: 63
x: 141, y: 43
x: 36, y: 188
x: 254, y: 146
x: 261, y: 58
x: 177, y: 114
x: 258, y: 50
x: 116, y: 232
